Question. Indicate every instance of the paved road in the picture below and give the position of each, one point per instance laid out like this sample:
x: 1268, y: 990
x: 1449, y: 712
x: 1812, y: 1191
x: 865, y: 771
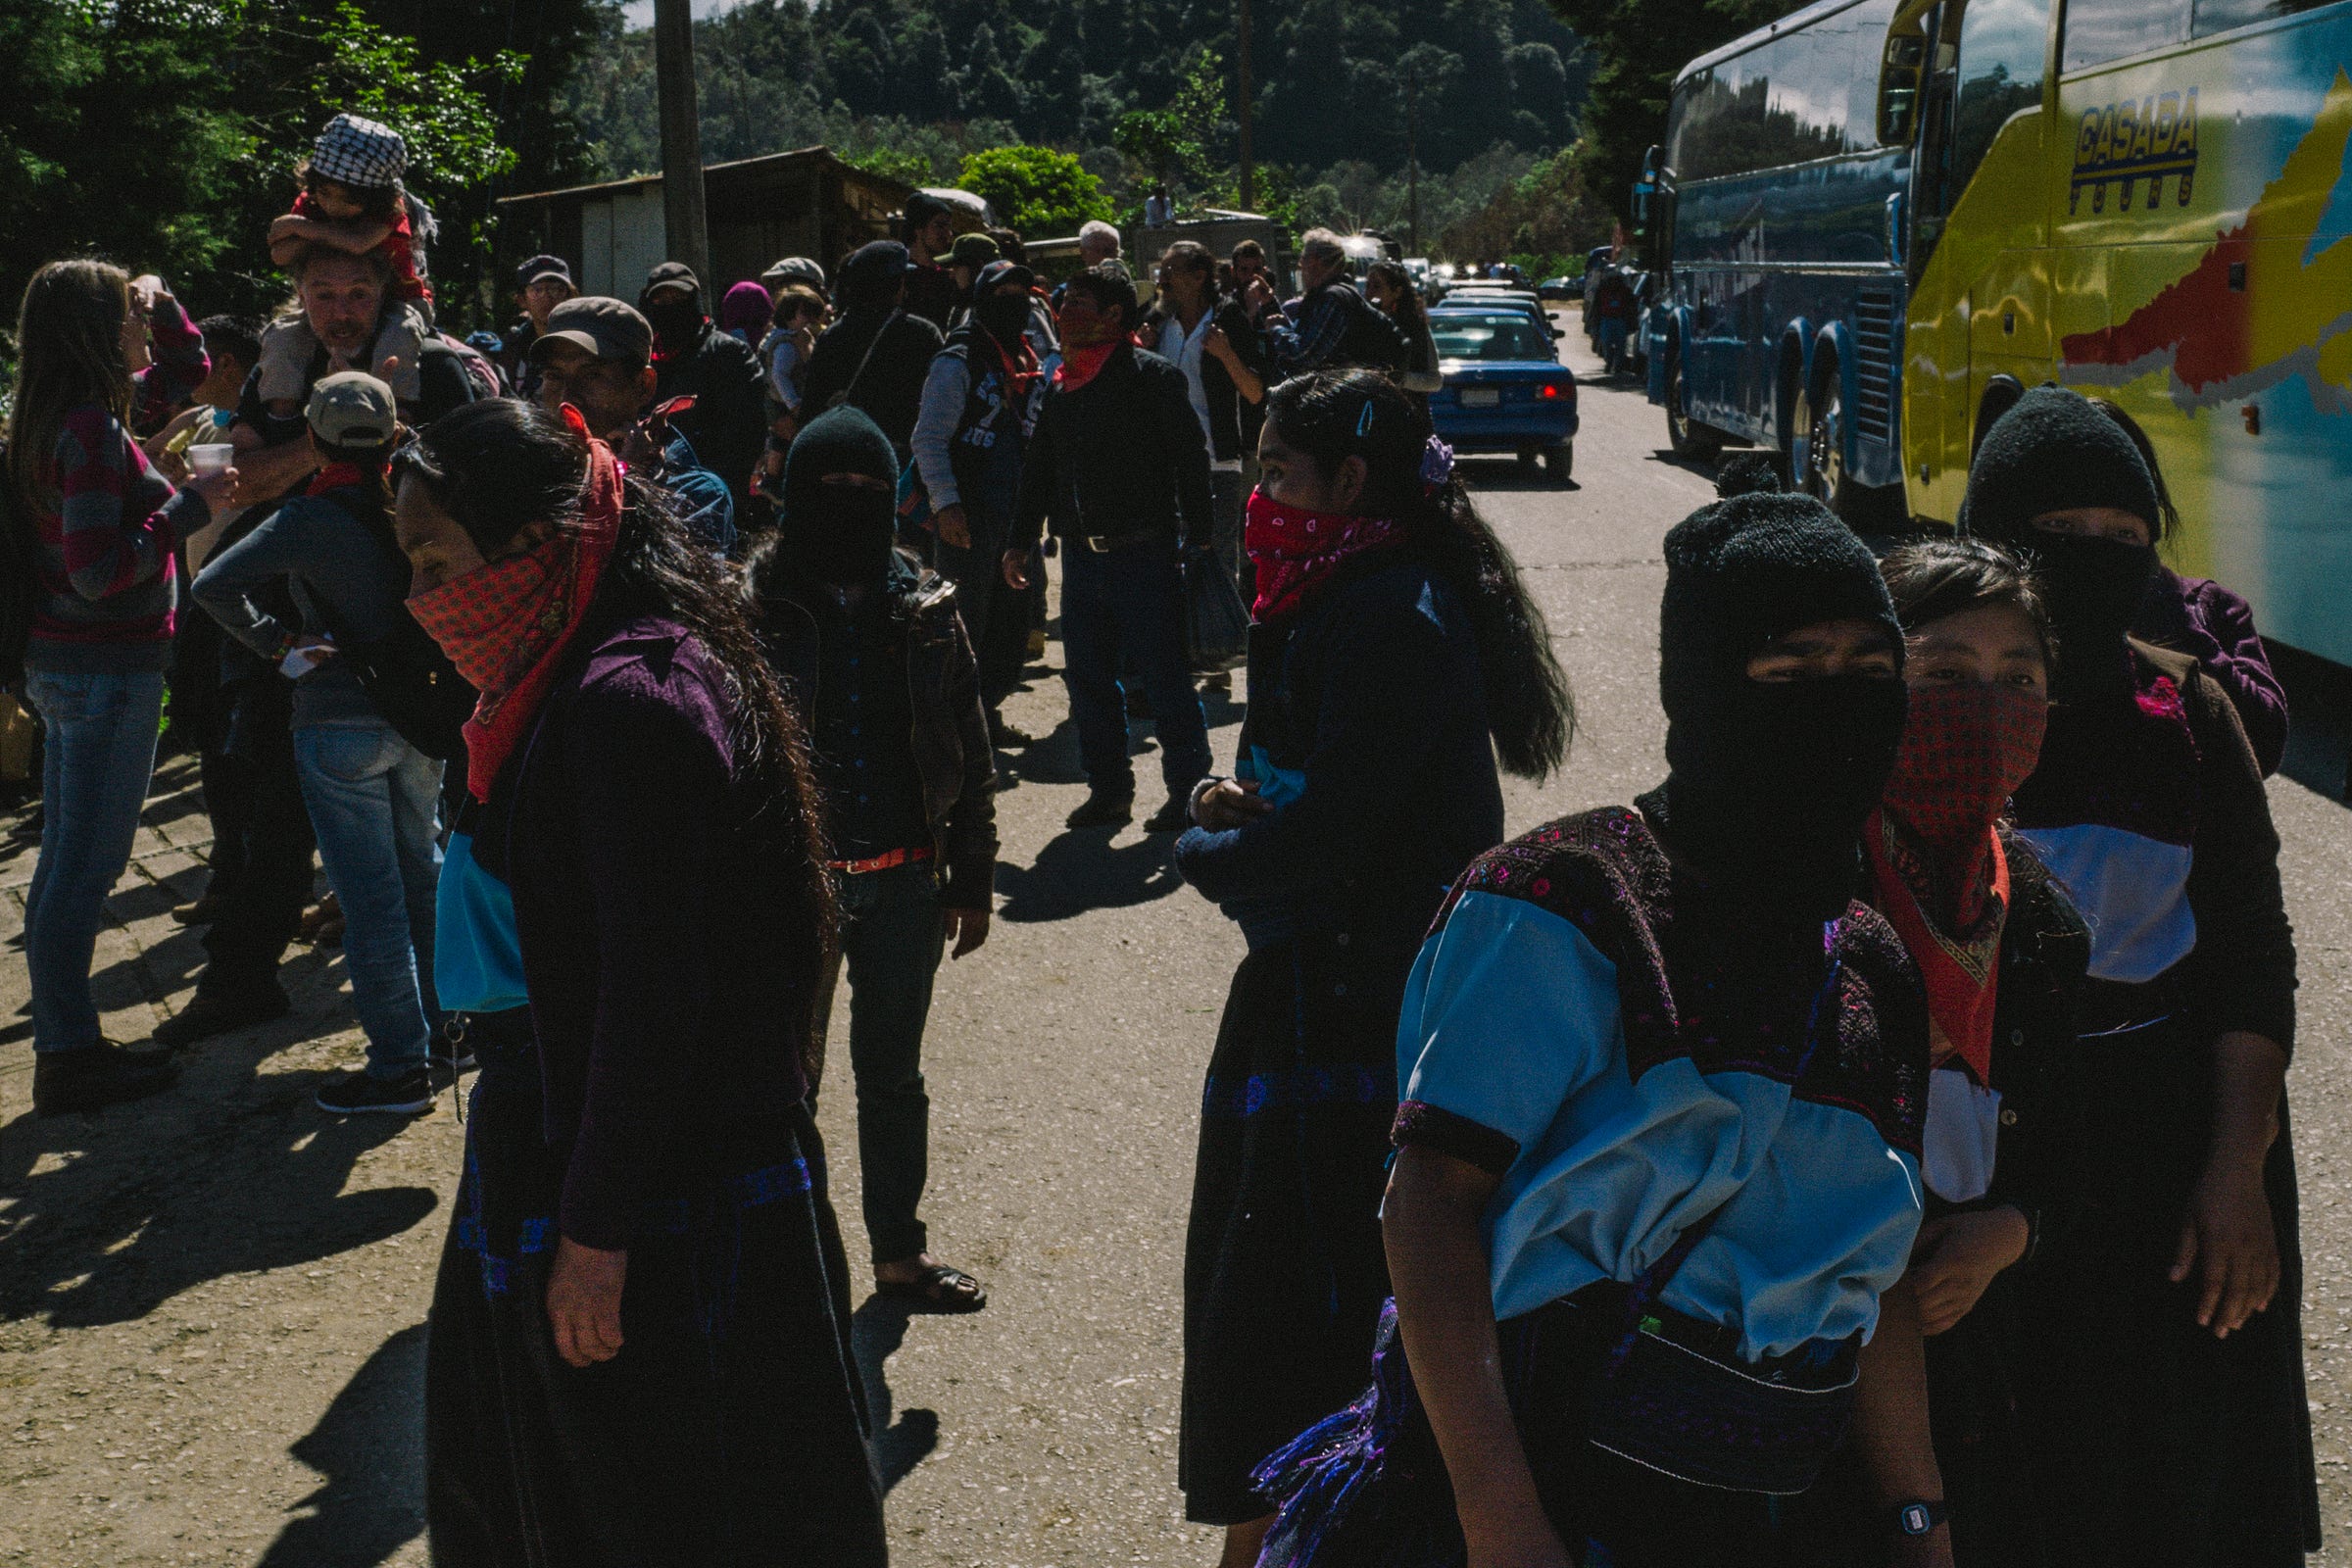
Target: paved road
x: 211, y: 1306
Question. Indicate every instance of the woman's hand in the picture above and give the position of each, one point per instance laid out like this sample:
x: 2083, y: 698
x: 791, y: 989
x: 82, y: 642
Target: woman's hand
x: 967, y: 928
x: 219, y: 490
x: 2227, y: 1238
x: 1229, y: 804
x: 583, y: 1301
x: 1016, y: 570
x: 1956, y: 1258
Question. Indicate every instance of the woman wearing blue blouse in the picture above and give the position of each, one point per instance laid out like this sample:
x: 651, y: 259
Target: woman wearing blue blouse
x: 1663, y: 1082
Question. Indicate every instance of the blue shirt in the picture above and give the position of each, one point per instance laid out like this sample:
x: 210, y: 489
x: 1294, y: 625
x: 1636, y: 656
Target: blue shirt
x: 1511, y: 1020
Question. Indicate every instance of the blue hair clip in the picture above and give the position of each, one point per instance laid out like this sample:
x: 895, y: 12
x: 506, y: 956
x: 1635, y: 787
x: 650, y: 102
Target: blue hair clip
x: 1363, y: 421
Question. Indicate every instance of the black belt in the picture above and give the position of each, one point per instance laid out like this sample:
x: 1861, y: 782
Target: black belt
x: 503, y: 1036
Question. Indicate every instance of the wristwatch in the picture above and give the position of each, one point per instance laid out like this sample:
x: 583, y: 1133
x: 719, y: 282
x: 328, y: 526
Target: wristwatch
x: 1919, y: 1517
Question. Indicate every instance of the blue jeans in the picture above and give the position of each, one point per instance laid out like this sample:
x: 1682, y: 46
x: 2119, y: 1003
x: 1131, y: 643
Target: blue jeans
x: 99, y: 756
x: 373, y: 797
x: 1124, y: 610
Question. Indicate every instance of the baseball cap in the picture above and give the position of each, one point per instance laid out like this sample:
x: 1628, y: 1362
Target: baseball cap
x: 539, y: 267
x: 352, y: 409
x: 974, y: 250
x: 608, y: 328
x: 883, y: 261
x: 671, y: 274
x: 795, y: 269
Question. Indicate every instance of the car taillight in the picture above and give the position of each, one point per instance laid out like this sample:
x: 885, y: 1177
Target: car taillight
x: 1550, y: 391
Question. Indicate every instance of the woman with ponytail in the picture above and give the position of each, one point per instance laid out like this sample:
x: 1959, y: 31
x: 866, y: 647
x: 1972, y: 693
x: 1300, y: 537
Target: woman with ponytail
x: 1396, y: 655
x: 640, y: 1331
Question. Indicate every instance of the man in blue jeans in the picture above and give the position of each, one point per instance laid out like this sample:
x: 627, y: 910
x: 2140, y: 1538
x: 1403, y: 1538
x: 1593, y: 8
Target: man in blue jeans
x: 1118, y: 468
x: 372, y: 794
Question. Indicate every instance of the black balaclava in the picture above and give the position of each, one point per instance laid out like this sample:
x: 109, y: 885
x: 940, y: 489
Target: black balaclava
x: 836, y: 534
x: 1770, y: 781
x: 870, y: 278
x: 1004, y: 316
x: 674, y: 321
x: 2052, y: 452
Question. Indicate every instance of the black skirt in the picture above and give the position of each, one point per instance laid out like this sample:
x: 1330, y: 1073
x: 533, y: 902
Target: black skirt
x: 2150, y: 1440
x: 730, y: 1428
x: 1283, y: 1272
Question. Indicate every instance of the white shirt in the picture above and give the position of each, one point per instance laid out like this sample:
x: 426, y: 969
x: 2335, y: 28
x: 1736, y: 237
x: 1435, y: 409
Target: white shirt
x: 1186, y: 349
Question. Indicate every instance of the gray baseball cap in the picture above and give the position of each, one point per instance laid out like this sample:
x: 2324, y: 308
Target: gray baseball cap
x: 795, y: 269
x: 608, y: 328
x: 352, y: 409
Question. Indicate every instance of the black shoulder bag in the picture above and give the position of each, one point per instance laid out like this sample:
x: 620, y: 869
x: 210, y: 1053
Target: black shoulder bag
x: 404, y: 674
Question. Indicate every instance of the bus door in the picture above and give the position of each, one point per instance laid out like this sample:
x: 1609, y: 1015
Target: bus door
x: 1979, y: 255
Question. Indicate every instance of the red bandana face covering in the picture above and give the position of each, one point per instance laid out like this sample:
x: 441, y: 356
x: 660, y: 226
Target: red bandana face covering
x: 1296, y: 550
x: 506, y: 624
x: 1937, y: 865
x: 1087, y: 343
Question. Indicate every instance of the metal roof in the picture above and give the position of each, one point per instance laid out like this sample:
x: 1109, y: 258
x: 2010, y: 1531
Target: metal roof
x: 766, y: 160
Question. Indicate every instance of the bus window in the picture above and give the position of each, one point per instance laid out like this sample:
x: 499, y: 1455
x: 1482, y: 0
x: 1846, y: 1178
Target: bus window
x: 1810, y: 94
x: 2100, y: 30
x: 2003, y: 47
x: 2220, y: 15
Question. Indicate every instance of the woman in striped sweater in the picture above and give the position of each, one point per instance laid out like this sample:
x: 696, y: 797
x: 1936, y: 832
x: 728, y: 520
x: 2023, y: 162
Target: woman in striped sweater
x: 97, y: 527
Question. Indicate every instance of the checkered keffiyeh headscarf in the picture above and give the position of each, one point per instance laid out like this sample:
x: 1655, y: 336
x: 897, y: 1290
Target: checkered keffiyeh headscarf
x: 359, y: 153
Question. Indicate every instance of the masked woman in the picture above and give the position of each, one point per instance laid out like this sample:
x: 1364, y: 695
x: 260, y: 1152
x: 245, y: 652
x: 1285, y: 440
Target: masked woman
x: 2002, y: 952
x: 640, y: 1335
x: 1663, y: 1084
x: 1394, y: 655
x: 2161, y: 1364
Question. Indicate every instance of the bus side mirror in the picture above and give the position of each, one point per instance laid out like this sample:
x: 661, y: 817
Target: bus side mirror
x: 1899, y: 88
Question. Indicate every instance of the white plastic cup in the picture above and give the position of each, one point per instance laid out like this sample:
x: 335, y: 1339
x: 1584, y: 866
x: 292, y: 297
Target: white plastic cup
x: 214, y: 457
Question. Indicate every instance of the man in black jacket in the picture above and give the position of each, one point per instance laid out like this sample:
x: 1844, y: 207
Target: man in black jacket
x: 1330, y: 326
x: 875, y: 357
x: 727, y: 426
x: 1119, y: 468
x: 870, y: 648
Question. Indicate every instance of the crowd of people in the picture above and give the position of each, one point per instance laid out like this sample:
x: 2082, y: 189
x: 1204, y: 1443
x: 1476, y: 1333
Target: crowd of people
x: 1868, y: 1146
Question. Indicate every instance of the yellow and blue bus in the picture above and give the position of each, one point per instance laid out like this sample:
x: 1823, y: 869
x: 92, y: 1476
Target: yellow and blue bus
x: 1875, y: 213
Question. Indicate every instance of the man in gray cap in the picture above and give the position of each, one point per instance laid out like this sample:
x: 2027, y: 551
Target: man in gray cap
x: 693, y: 359
x: 798, y: 269
x: 596, y: 354
x: 540, y: 286
x: 371, y: 792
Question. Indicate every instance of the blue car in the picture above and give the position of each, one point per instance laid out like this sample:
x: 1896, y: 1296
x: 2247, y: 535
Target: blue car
x: 1505, y: 389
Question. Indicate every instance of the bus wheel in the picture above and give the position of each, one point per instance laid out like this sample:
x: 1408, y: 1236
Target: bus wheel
x: 1689, y: 439
x: 1817, y: 444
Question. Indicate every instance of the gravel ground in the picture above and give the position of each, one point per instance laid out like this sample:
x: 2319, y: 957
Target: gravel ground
x: 212, y: 1304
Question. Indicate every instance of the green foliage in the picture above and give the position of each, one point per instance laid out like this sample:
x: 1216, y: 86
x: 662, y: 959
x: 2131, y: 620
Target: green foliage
x: 903, y: 164
x: 1036, y: 190
x: 1544, y: 212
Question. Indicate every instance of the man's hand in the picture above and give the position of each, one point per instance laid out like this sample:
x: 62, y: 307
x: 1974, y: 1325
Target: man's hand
x: 967, y: 928
x: 219, y: 490
x: 1956, y: 1258
x: 1221, y: 345
x: 1259, y: 297
x: 954, y: 527
x: 2227, y: 1239
x: 1016, y: 570
x: 1228, y: 804
x: 583, y: 1301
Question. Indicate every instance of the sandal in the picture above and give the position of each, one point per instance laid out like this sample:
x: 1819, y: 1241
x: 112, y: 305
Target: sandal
x: 943, y: 1289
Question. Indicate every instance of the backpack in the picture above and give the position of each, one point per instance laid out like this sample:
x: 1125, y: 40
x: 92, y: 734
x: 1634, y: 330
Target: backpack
x: 17, y: 578
x: 480, y: 373
x: 1372, y: 340
x: 404, y: 674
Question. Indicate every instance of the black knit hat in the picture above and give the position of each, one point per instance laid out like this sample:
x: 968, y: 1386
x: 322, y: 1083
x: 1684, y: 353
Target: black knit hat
x: 1745, y: 569
x: 2053, y: 451
x: 842, y: 440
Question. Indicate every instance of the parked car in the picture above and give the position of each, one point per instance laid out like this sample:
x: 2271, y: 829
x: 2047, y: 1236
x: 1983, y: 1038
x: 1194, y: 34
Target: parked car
x: 1504, y: 388
x: 1560, y: 288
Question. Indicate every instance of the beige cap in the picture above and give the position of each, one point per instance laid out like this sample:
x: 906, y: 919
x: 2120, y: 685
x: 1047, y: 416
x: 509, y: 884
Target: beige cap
x: 608, y: 328
x: 352, y: 409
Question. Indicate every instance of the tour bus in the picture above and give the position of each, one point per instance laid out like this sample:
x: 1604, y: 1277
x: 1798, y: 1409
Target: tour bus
x: 1875, y: 220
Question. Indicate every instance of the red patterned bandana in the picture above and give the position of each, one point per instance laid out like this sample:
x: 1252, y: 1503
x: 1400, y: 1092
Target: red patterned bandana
x: 1937, y: 865
x: 341, y: 476
x: 1296, y: 550
x: 506, y: 623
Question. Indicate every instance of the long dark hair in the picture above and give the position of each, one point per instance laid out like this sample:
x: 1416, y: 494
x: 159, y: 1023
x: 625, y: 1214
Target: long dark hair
x: 1334, y: 415
x: 498, y: 465
x: 69, y: 355
x: 1410, y: 313
x: 1932, y: 578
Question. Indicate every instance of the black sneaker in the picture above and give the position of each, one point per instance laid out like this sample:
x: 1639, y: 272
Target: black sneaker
x: 206, y: 1016
x: 359, y: 1094
x: 1104, y: 809
x: 1173, y: 817
x: 1006, y: 736
x: 96, y: 1076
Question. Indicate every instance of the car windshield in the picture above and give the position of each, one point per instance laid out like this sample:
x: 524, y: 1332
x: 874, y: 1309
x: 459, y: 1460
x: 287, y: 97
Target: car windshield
x: 1490, y: 337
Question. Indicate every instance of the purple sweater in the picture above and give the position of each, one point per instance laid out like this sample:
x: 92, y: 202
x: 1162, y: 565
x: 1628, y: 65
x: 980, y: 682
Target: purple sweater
x: 671, y: 979
x: 2200, y: 617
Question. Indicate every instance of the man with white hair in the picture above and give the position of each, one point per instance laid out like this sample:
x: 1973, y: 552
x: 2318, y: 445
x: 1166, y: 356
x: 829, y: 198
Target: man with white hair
x: 1330, y: 325
x: 1098, y: 242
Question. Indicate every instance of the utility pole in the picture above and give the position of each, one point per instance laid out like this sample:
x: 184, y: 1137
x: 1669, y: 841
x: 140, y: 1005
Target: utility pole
x: 682, y: 217
x: 1412, y: 159
x: 1249, y: 95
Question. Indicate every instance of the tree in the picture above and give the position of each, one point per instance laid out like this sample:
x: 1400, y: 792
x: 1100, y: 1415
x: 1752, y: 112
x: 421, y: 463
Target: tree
x: 1034, y: 190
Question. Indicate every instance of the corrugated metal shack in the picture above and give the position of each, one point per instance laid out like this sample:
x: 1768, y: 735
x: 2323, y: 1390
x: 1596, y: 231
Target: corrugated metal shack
x: 803, y: 203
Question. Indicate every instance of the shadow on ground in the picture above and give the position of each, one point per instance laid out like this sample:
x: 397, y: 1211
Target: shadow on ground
x: 369, y: 1449
x: 902, y: 1439
x: 2319, y: 705
x: 1081, y: 869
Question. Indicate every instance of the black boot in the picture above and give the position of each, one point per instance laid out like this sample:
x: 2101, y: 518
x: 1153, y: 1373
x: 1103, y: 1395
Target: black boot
x: 1103, y: 809
x: 1173, y: 817
x: 96, y: 1076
